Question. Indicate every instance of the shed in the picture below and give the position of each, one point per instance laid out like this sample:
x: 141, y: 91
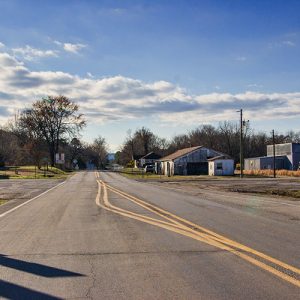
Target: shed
x: 222, y: 165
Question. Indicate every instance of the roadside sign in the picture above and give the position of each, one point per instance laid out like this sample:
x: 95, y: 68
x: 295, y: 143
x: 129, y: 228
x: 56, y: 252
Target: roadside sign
x: 60, y: 158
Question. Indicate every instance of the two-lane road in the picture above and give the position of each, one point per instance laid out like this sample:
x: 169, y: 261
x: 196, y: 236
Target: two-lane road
x: 108, y: 237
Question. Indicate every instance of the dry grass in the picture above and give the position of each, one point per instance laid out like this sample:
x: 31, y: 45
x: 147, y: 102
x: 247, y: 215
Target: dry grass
x: 2, y: 201
x: 270, y: 173
x: 31, y: 172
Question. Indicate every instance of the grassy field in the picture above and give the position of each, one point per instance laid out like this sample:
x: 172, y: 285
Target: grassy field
x: 140, y: 174
x: 32, y: 172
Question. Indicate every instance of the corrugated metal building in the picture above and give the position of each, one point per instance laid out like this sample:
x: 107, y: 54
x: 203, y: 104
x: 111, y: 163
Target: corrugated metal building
x: 287, y: 157
x: 187, y: 161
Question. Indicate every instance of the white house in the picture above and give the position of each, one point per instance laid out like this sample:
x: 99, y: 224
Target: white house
x: 221, y: 165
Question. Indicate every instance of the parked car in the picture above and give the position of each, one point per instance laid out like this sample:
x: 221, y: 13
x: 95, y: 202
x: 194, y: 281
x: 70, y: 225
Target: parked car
x: 149, y: 168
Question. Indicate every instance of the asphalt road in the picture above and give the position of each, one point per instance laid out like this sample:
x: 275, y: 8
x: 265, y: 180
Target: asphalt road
x: 115, y: 238
x: 18, y: 191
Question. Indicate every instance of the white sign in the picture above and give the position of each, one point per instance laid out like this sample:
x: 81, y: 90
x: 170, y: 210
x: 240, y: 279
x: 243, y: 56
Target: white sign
x: 59, y: 158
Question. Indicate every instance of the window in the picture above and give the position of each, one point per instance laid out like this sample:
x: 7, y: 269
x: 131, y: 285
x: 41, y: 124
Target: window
x: 219, y: 166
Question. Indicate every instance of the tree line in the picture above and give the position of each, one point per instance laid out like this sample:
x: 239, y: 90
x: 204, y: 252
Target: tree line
x: 51, y: 125
x: 225, y: 137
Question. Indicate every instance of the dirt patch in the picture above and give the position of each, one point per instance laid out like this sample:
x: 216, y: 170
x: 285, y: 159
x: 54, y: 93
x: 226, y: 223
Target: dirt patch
x: 284, y: 187
x: 278, y: 192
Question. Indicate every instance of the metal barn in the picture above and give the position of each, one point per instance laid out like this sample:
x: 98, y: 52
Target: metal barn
x: 187, y: 161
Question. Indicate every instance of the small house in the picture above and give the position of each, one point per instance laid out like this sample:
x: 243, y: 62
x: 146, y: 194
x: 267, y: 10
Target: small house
x: 149, y: 159
x: 222, y: 165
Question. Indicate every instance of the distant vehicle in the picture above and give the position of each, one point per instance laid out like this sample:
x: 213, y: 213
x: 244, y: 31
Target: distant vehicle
x: 149, y: 168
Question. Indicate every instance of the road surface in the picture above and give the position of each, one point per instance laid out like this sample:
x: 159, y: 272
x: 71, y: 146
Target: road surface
x: 103, y: 236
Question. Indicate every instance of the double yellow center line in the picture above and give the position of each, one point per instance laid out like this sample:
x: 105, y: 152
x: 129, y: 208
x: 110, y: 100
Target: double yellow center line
x: 186, y: 228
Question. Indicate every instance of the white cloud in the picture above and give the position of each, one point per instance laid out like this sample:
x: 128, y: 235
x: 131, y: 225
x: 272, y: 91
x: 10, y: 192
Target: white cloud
x: 254, y: 85
x: 289, y: 43
x: 30, y: 53
x: 69, y: 47
x: 280, y: 44
x: 2, y: 45
x: 122, y: 98
x: 74, y: 48
x: 90, y: 75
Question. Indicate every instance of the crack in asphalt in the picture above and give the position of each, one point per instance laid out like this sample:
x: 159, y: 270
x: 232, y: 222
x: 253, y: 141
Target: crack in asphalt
x: 93, y: 277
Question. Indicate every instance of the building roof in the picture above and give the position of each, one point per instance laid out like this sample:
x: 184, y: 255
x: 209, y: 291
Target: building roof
x: 260, y: 157
x: 223, y: 157
x: 137, y: 157
x: 151, y: 155
x: 180, y: 153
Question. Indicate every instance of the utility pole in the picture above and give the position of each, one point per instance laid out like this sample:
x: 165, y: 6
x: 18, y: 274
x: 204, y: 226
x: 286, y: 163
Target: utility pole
x: 241, y: 144
x: 274, y: 157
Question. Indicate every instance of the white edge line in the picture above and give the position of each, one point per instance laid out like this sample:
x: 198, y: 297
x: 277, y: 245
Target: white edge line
x: 15, y: 208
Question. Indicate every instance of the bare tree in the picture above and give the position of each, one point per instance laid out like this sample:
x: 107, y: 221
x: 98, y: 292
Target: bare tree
x: 52, y: 119
x: 100, y: 148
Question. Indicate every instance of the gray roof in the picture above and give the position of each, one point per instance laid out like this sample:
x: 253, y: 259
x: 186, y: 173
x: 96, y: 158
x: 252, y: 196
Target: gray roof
x: 180, y: 153
x: 224, y: 157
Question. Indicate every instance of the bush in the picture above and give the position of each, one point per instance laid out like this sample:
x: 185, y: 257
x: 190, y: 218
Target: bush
x: 130, y: 164
x: 269, y: 172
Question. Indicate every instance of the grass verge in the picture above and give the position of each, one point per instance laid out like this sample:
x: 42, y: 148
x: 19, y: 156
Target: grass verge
x: 141, y: 175
x: 2, y: 201
x: 32, y: 172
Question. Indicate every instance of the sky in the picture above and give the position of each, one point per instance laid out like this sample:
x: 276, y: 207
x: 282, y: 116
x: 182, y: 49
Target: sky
x: 170, y: 66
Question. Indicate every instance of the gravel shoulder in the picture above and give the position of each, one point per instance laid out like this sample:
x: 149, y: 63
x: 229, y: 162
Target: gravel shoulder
x: 14, y: 192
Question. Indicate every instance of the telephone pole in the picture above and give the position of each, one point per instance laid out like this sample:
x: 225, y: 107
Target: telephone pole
x: 241, y: 144
x: 274, y: 154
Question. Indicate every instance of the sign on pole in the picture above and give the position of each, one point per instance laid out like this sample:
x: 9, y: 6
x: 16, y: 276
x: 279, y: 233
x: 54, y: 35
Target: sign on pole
x: 60, y: 158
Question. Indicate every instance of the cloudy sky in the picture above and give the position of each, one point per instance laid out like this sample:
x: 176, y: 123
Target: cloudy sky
x: 166, y: 65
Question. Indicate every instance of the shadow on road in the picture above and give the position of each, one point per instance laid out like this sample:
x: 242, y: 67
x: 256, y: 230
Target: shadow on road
x: 35, y: 268
x: 16, y: 292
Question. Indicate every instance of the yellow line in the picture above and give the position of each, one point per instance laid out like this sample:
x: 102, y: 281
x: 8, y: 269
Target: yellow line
x: 114, y: 208
x: 213, y: 239
x: 152, y: 221
x: 214, y: 235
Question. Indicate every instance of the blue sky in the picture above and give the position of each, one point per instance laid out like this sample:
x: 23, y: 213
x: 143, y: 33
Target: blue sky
x: 166, y: 65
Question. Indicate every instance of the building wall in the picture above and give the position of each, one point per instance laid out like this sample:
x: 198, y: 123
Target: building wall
x: 192, y: 163
x: 280, y: 149
x: 266, y: 163
x: 167, y: 168
x: 296, y: 156
x: 290, y: 150
x: 252, y: 163
x: 227, y: 167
